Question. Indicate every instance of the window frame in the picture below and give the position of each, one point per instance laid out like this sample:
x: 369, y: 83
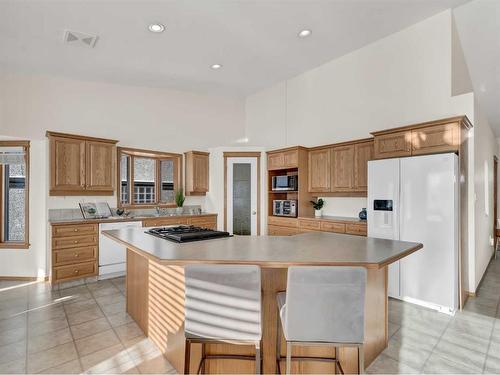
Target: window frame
x: 16, y: 244
x: 158, y: 157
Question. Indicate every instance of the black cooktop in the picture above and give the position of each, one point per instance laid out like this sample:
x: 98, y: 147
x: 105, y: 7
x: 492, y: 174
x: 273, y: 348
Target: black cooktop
x: 186, y: 233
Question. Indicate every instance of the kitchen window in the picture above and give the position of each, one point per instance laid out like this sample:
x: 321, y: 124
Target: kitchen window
x: 14, y: 193
x: 148, y: 178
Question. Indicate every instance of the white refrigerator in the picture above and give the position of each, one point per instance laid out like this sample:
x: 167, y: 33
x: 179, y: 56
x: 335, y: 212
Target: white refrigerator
x: 416, y: 199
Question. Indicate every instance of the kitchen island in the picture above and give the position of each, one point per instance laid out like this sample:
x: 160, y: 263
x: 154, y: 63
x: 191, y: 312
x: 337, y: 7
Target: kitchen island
x: 155, y: 289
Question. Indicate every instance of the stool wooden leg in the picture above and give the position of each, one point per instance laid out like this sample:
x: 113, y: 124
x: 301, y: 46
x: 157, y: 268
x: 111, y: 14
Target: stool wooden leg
x: 361, y: 360
x: 187, y: 356
x: 288, y: 358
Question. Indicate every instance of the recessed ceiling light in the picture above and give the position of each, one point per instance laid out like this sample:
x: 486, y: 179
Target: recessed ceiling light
x: 156, y: 28
x: 216, y: 66
x: 304, y: 33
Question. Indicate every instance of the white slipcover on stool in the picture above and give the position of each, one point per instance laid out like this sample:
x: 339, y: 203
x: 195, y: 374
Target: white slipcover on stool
x: 223, y: 304
x: 322, y: 306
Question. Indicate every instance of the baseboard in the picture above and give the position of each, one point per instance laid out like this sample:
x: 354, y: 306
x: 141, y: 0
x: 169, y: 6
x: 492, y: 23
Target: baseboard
x: 23, y: 278
x: 471, y: 294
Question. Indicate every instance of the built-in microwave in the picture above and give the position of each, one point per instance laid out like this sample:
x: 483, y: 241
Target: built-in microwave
x: 284, y: 183
x: 285, y: 208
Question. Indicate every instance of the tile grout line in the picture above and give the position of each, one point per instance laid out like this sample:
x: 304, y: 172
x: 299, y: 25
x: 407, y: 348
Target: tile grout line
x: 436, y: 344
x: 73, y: 338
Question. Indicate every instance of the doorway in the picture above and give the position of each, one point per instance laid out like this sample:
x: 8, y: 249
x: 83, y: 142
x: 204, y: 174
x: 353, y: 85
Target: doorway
x: 242, y: 193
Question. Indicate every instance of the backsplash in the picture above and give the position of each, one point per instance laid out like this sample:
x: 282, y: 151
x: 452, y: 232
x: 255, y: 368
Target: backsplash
x: 72, y: 213
x: 343, y: 206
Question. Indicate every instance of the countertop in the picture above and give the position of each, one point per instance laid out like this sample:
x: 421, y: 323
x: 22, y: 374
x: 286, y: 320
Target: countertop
x: 117, y: 219
x: 315, y: 248
x: 335, y: 218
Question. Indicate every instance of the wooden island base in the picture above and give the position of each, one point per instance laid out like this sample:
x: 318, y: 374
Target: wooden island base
x: 155, y: 300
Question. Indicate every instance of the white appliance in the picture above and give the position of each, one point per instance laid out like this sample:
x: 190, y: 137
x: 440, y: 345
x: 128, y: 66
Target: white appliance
x: 416, y: 199
x: 112, y: 255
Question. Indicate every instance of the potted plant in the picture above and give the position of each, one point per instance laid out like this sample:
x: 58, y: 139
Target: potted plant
x: 318, y: 207
x: 179, y: 200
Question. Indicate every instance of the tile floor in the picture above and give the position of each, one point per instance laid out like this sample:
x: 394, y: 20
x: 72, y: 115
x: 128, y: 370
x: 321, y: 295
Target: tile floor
x: 85, y: 329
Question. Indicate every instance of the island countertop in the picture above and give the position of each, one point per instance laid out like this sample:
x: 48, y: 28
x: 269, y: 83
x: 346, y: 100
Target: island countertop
x: 308, y: 249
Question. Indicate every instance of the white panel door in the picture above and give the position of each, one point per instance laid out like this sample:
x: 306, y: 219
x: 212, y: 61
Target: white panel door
x: 383, y: 184
x: 242, y: 196
x: 429, y: 207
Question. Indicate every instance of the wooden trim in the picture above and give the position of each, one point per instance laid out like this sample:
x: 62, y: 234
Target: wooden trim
x: 243, y: 154
x: 158, y: 157
x: 287, y: 149
x: 24, y: 244
x: 346, y: 143
x: 23, y: 278
x: 80, y: 137
x: 461, y: 119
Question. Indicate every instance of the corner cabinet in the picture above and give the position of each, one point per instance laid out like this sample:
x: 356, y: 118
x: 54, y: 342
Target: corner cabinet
x: 197, y: 172
x: 81, y: 165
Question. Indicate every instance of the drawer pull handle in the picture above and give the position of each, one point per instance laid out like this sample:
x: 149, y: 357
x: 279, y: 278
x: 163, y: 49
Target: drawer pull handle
x: 75, y: 241
x: 76, y: 229
x: 77, y: 255
x: 77, y: 271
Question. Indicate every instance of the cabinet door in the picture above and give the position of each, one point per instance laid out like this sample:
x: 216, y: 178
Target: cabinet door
x: 434, y: 139
x: 200, y: 173
x: 291, y: 159
x: 100, y: 166
x: 319, y: 171
x: 274, y: 230
x: 393, y: 145
x: 275, y: 161
x: 362, y: 153
x: 67, y: 165
x: 343, y: 168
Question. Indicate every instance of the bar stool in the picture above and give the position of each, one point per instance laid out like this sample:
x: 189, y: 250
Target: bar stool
x: 322, y: 306
x: 223, y: 305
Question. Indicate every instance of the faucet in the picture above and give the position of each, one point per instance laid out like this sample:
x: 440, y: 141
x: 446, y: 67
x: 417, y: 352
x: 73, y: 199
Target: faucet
x: 158, y: 210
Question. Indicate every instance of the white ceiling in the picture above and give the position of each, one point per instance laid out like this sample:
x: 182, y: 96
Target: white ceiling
x: 478, y: 26
x: 255, y: 40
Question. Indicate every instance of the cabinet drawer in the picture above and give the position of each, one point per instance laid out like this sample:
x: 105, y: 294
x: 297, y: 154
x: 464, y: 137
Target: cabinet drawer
x: 75, y: 255
x: 357, y: 229
x: 328, y: 226
x: 282, y: 221
x: 160, y: 222
x: 274, y: 230
x: 75, y: 241
x: 204, y: 220
x: 74, y: 271
x: 73, y: 230
x: 309, y: 224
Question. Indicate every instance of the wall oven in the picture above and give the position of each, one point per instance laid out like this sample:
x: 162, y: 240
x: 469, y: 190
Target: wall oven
x: 285, y: 208
x: 284, y: 183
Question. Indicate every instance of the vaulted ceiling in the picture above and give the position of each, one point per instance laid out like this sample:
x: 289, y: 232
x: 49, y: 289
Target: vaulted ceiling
x: 255, y: 40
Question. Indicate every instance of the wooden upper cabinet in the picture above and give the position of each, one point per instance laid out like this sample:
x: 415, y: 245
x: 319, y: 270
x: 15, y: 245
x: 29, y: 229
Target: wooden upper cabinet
x: 363, y: 152
x: 100, y: 166
x: 435, y: 139
x: 197, y: 172
x: 392, y: 145
x: 81, y: 165
x: 319, y: 170
x: 342, y: 168
x: 67, y: 164
x: 283, y: 159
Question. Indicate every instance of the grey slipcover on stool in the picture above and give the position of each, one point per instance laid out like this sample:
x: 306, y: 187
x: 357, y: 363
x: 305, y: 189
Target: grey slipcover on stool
x: 223, y: 305
x: 322, y: 306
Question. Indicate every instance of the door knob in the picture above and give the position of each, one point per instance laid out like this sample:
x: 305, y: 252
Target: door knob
x: 254, y: 212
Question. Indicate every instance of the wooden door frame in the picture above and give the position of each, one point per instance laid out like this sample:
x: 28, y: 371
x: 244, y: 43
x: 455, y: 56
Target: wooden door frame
x: 495, y: 206
x: 242, y: 154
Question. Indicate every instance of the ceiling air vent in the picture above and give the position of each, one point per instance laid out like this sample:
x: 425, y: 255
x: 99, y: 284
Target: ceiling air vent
x: 80, y: 39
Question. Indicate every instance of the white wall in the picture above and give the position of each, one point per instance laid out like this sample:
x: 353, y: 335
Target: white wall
x: 402, y: 79
x: 484, y: 151
x: 150, y: 118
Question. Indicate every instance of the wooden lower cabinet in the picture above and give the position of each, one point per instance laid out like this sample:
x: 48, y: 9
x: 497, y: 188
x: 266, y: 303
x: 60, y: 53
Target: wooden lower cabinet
x: 204, y: 221
x: 280, y: 226
x: 75, y: 251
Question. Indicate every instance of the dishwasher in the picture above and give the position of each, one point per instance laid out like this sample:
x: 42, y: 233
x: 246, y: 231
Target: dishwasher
x: 113, y: 255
